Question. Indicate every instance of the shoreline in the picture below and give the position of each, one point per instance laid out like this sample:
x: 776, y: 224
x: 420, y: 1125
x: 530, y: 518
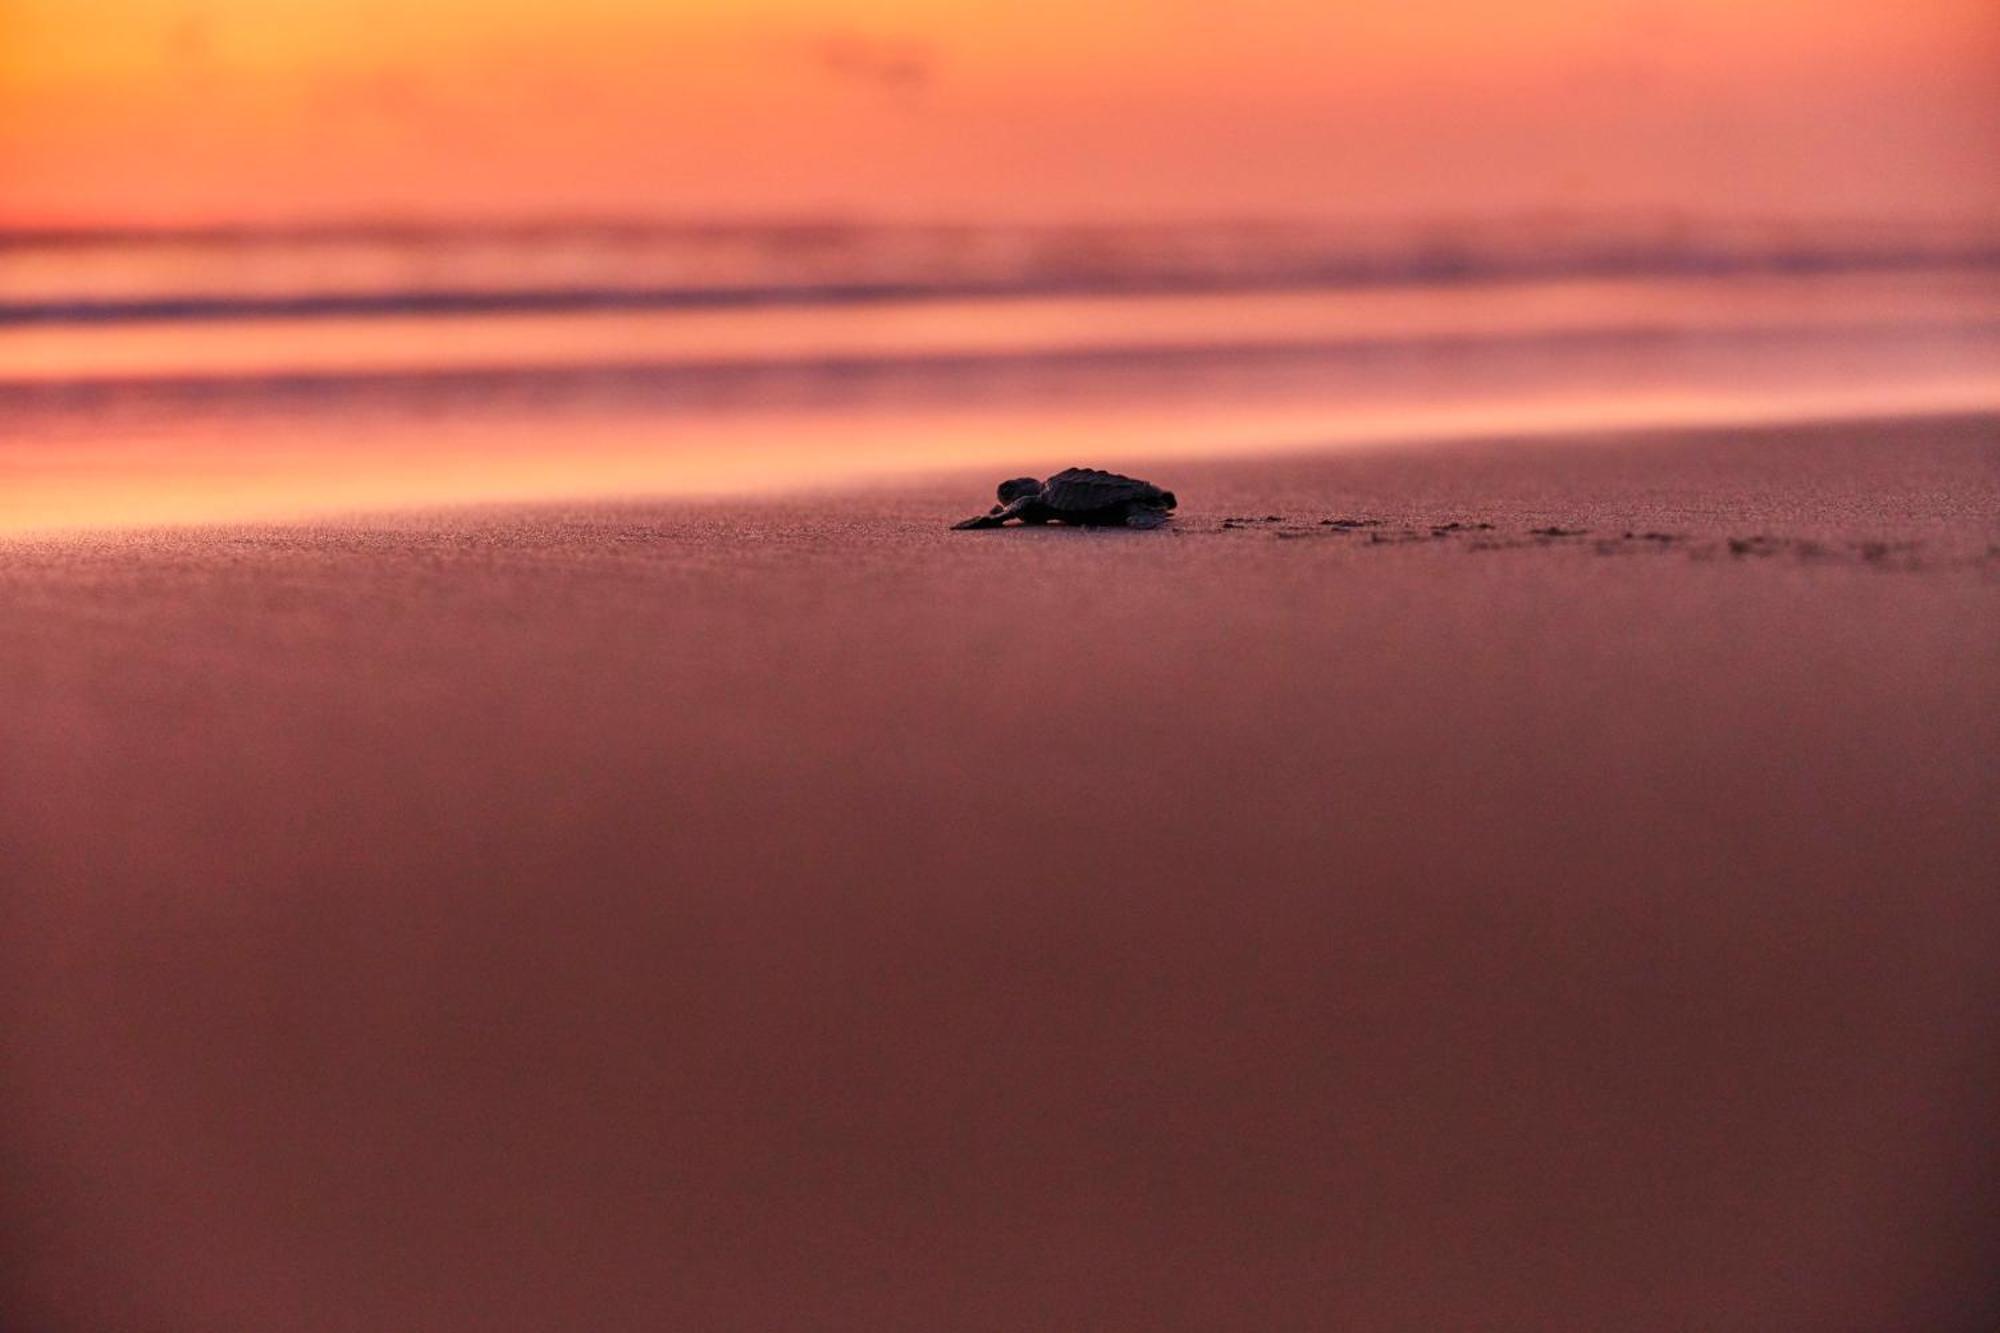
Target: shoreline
x: 1586, y: 429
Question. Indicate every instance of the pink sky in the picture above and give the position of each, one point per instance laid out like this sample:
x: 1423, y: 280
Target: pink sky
x: 125, y: 111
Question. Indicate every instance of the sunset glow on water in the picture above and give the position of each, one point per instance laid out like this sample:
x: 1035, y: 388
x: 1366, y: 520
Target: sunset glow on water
x: 273, y: 388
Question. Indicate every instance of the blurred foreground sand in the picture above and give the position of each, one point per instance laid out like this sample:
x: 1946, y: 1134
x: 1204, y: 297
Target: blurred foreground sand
x: 776, y: 916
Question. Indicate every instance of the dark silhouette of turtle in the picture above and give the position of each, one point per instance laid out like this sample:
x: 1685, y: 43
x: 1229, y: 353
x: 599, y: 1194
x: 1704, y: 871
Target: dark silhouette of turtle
x: 1080, y: 495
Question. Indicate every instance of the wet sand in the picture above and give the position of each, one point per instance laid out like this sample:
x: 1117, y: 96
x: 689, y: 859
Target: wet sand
x: 1395, y: 898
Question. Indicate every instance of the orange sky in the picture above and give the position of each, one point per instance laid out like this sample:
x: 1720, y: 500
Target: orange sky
x: 115, y: 111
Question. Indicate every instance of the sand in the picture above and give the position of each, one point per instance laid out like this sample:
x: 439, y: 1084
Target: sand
x: 796, y: 915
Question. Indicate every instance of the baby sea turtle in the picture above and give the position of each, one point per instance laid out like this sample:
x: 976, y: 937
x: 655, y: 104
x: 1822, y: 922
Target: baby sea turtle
x: 1080, y: 495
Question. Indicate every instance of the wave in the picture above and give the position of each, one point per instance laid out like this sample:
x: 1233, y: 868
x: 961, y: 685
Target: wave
x: 1361, y: 362
x: 61, y: 277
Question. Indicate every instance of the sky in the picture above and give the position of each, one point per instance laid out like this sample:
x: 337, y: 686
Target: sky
x: 177, y: 112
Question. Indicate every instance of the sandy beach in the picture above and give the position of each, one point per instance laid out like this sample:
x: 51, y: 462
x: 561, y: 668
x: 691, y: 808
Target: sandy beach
x: 1512, y: 885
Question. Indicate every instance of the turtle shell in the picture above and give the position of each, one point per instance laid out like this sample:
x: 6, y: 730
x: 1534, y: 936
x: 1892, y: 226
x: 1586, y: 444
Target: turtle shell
x: 1082, y: 490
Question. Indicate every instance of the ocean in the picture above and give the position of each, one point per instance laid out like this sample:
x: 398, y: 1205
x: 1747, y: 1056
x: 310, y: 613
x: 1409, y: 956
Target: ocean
x: 226, y: 375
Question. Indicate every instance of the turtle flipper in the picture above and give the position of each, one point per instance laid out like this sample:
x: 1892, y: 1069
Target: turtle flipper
x: 997, y: 516
x: 1145, y: 516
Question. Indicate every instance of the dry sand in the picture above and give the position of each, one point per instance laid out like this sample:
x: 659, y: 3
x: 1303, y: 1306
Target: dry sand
x: 804, y: 917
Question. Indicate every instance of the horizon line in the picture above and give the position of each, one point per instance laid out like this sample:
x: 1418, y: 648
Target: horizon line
x: 415, y: 227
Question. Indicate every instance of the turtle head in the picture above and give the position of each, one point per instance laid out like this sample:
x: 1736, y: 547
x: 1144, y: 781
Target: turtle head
x: 1019, y: 488
x: 1167, y: 499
